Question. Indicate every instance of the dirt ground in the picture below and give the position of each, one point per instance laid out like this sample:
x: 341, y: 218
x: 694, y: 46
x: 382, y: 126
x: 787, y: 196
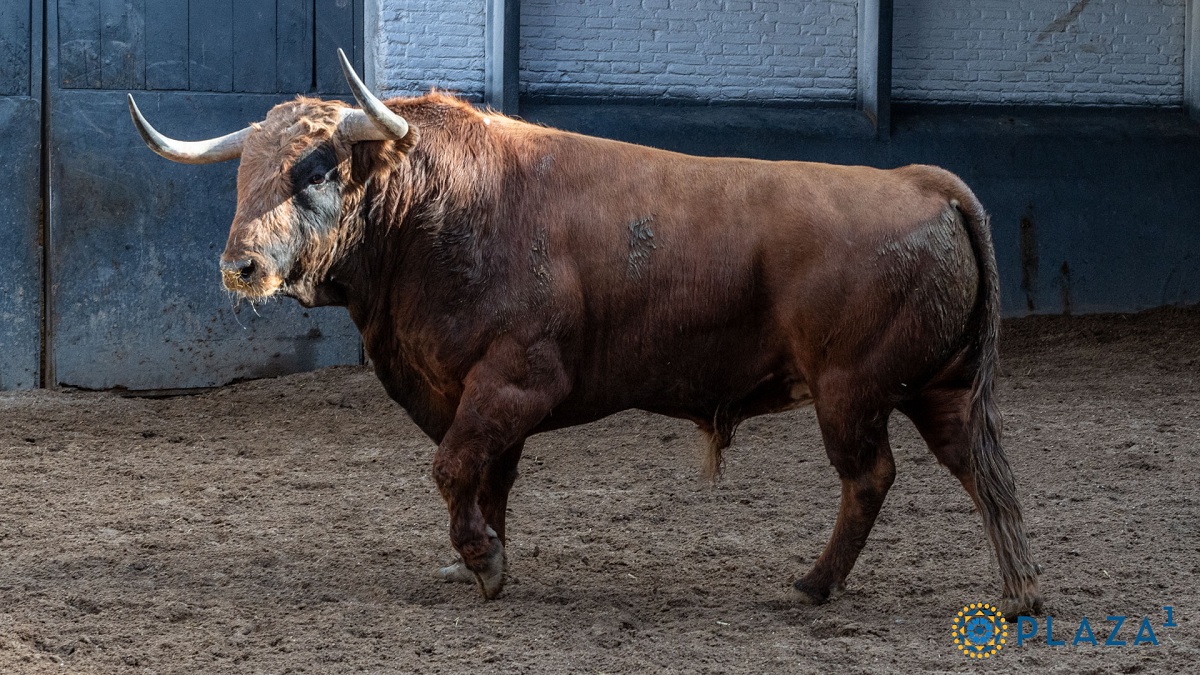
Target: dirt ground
x: 291, y: 525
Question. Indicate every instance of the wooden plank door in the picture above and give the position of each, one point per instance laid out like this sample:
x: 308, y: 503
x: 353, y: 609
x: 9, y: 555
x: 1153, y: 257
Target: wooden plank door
x: 135, y: 297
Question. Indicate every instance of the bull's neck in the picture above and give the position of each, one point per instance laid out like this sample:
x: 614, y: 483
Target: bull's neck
x: 422, y: 260
x: 428, y: 236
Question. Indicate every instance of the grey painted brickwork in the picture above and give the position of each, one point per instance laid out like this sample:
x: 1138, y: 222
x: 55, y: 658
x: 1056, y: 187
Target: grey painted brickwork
x: 430, y: 43
x: 1088, y: 52
x: 712, y: 50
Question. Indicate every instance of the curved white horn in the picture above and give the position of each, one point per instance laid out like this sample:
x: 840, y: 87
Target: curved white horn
x: 189, y: 152
x: 387, y: 125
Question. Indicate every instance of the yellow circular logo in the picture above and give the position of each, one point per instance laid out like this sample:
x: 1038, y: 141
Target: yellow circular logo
x: 980, y: 630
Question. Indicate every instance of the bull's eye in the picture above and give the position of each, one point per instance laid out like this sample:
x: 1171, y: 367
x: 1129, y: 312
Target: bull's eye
x: 316, y: 179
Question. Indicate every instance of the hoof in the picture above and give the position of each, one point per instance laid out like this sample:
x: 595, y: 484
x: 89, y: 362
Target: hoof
x: 1024, y: 606
x: 1023, y: 598
x: 808, y: 594
x: 455, y: 572
x: 491, y: 578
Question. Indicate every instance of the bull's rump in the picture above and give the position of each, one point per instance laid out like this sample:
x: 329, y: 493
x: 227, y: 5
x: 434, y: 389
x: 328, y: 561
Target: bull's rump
x: 696, y: 283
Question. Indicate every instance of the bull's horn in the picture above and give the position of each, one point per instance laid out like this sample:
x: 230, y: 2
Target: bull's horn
x: 384, y: 125
x: 189, y: 152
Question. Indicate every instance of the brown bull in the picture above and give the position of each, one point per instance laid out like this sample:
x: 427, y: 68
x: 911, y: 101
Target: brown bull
x: 510, y: 279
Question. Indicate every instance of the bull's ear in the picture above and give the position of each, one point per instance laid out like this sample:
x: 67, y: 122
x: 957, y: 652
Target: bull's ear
x: 375, y: 160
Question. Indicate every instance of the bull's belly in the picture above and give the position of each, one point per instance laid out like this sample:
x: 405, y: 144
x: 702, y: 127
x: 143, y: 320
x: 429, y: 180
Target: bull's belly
x: 773, y: 393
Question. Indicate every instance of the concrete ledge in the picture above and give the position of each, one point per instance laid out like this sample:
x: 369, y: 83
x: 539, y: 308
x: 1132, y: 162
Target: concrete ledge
x: 723, y: 129
x: 662, y: 123
x: 1075, y: 122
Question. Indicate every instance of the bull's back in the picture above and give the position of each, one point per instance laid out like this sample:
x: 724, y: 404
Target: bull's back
x: 700, y: 279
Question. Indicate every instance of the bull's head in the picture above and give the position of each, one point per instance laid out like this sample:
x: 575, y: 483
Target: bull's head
x: 295, y: 178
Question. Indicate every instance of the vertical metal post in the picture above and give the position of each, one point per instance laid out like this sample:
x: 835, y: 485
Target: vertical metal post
x: 502, y: 35
x: 368, y: 32
x: 1191, y: 60
x: 875, y: 63
x: 40, y: 87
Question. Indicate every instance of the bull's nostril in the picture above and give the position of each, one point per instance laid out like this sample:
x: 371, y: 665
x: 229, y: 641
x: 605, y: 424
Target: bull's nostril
x: 239, y: 272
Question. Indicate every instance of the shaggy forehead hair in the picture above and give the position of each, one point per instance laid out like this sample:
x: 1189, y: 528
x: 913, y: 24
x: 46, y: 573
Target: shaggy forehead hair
x: 280, y: 140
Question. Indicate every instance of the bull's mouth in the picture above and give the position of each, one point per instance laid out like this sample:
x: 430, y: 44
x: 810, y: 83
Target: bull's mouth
x: 256, y: 283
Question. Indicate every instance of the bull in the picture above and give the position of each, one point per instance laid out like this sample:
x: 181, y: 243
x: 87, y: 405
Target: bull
x: 510, y: 279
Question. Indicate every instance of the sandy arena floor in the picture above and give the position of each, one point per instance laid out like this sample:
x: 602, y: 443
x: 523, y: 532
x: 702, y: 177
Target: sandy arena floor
x: 290, y: 525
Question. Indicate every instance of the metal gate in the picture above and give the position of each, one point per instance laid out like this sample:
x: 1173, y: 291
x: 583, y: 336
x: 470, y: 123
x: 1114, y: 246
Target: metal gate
x: 20, y: 145
x: 132, y: 296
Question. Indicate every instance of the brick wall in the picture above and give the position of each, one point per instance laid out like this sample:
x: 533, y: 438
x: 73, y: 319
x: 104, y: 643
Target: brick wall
x: 1088, y: 52
x: 709, y: 50
x: 1081, y: 52
x: 427, y: 43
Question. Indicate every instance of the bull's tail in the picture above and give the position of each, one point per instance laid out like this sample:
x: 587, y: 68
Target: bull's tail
x: 995, y: 489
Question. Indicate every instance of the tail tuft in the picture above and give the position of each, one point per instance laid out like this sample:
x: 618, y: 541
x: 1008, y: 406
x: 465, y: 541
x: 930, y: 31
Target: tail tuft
x: 720, y: 436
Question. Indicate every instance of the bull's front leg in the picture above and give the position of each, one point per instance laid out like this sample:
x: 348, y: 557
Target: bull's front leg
x: 498, y: 480
x: 504, y: 398
x: 457, y: 470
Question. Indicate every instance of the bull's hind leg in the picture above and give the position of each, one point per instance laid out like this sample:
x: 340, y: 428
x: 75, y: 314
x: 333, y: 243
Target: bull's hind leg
x: 942, y: 416
x: 498, y: 480
x: 856, y: 441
